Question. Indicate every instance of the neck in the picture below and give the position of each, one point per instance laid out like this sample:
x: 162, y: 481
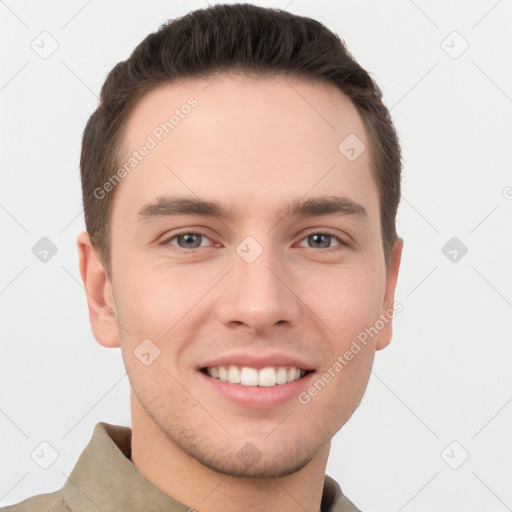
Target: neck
x: 185, y: 479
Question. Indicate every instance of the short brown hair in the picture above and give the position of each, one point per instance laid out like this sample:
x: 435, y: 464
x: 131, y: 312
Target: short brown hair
x: 223, y: 38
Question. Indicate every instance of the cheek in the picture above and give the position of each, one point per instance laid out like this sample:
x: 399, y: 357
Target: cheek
x: 348, y: 300
x: 152, y: 301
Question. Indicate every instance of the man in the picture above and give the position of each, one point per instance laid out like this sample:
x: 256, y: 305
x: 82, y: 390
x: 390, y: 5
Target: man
x: 240, y: 178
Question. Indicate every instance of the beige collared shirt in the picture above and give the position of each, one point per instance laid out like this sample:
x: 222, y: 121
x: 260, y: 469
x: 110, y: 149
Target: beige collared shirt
x: 105, y: 480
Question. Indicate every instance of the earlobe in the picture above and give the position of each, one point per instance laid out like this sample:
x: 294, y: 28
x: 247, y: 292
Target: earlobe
x: 100, y: 298
x: 388, y: 309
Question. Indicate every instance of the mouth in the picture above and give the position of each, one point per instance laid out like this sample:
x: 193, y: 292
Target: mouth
x: 255, y: 388
x: 269, y: 376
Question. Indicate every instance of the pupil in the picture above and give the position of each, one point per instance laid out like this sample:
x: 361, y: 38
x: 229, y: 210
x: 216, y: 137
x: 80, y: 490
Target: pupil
x: 189, y: 238
x: 327, y: 237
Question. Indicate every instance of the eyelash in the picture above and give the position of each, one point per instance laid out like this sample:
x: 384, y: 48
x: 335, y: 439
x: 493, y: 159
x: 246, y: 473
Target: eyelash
x: 342, y: 243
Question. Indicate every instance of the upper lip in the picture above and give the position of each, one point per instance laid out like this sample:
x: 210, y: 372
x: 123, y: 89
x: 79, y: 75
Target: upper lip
x: 256, y: 361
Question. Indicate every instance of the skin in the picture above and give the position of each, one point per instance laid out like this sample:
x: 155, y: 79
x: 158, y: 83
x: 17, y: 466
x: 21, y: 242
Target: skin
x: 254, y: 144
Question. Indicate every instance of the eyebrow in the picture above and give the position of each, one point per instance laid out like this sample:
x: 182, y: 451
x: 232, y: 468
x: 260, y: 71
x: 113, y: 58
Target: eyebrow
x: 167, y: 206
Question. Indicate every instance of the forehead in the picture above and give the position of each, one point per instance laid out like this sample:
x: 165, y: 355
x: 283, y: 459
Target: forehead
x: 277, y: 109
x: 255, y: 140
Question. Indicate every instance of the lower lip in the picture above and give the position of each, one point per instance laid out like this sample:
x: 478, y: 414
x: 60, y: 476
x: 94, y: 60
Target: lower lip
x: 258, y: 397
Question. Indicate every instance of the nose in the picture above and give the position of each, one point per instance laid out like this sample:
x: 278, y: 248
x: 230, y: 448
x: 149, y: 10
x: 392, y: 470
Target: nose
x: 258, y: 294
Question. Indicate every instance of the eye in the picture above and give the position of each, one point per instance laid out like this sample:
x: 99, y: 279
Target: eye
x: 190, y: 240
x: 187, y: 240
x: 323, y: 239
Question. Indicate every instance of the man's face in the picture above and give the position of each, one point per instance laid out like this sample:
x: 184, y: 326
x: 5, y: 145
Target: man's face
x: 259, y: 283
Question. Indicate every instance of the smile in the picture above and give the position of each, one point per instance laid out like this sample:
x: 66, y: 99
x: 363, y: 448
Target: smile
x: 247, y: 376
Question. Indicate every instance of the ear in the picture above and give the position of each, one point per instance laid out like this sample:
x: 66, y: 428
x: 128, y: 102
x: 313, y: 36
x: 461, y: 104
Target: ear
x: 100, y: 298
x: 388, y: 305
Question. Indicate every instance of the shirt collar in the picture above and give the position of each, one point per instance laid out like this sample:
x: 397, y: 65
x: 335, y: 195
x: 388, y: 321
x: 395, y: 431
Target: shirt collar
x: 104, y: 479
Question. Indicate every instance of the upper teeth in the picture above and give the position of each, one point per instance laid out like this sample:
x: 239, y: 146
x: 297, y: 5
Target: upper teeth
x: 246, y: 376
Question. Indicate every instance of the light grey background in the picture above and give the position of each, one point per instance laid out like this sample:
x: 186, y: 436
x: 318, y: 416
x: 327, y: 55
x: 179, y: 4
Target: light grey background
x: 446, y: 375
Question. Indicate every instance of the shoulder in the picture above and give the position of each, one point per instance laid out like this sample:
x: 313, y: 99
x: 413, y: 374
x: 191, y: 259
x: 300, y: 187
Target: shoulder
x: 51, y: 502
